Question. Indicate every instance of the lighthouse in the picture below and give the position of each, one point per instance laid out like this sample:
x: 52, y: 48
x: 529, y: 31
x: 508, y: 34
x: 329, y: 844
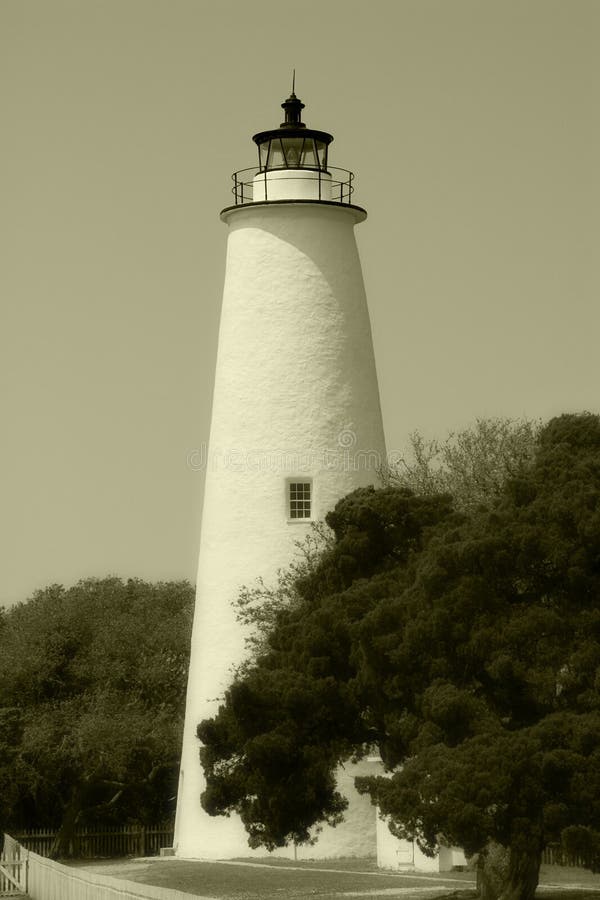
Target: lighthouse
x: 296, y: 422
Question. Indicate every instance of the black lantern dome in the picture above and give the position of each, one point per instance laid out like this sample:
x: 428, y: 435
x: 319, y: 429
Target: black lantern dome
x: 292, y: 145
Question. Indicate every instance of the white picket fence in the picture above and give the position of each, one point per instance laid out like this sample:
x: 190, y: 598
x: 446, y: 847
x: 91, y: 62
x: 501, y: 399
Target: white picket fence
x: 49, y: 880
x: 13, y: 869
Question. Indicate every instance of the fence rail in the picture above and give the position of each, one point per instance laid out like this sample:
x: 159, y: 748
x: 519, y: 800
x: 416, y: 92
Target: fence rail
x: 96, y: 843
x: 12, y: 877
x: 49, y: 880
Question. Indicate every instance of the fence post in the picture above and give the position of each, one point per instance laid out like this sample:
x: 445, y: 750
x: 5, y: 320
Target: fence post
x: 142, y: 841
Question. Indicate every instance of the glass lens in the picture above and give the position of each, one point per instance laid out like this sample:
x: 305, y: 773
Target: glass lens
x: 293, y: 151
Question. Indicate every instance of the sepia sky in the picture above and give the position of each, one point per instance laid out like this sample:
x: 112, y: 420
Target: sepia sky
x: 473, y: 129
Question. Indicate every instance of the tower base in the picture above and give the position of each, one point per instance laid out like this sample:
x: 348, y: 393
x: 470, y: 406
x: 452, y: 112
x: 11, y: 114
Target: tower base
x: 226, y: 838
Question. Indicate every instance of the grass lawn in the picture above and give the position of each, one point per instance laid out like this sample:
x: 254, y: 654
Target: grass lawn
x: 241, y: 881
x: 332, y: 880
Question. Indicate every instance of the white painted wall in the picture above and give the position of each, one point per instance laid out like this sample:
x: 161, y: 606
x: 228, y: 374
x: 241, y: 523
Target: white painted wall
x: 291, y: 184
x: 295, y: 394
x: 393, y: 853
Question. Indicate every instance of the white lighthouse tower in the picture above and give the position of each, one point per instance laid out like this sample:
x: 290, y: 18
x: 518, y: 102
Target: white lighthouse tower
x: 296, y: 420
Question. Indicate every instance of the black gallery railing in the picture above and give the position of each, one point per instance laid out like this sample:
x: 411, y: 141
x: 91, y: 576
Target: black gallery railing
x: 337, y: 188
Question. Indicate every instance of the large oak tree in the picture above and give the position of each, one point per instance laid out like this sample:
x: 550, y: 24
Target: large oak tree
x: 464, y: 645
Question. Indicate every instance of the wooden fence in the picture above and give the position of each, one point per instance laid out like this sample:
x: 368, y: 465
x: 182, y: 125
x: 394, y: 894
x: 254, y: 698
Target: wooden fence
x: 104, y: 843
x: 14, y: 868
x: 553, y: 855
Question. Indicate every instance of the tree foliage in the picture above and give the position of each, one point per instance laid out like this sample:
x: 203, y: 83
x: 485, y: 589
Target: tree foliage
x: 92, y: 688
x: 472, y: 464
x: 465, y: 646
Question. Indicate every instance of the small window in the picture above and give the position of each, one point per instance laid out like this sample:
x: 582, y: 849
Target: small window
x: 299, y: 499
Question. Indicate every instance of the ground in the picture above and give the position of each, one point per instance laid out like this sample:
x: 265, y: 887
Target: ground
x: 333, y: 880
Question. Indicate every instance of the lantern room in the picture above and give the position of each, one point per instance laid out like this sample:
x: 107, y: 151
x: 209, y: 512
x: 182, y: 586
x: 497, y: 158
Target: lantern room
x: 293, y: 164
x: 292, y: 145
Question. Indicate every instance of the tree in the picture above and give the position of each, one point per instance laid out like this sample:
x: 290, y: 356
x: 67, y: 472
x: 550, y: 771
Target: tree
x: 472, y: 464
x: 92, y: 694
x: 464, y: 646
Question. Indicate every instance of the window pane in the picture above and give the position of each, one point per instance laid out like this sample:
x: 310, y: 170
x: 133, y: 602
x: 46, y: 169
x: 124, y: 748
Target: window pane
x: 309, y: 155
x: 322, y: 153
x: 263, y: 152
x: 293, y: 151
x: 276, y: 158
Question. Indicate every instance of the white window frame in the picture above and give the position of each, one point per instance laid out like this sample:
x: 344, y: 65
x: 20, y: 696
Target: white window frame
x: 298, y: 479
